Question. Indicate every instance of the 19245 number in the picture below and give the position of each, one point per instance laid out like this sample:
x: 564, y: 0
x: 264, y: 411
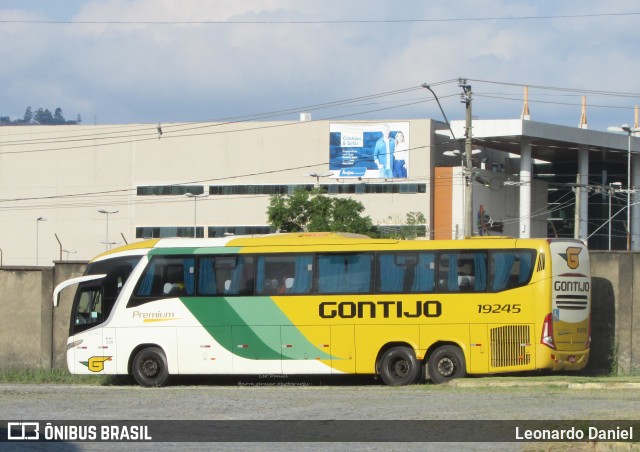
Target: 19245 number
x: 499, y: 308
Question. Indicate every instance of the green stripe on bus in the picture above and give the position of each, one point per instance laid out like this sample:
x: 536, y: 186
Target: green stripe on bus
x: 250, y: 327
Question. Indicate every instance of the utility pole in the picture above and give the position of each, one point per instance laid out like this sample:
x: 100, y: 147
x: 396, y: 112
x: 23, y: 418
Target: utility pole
x: 468, y: 198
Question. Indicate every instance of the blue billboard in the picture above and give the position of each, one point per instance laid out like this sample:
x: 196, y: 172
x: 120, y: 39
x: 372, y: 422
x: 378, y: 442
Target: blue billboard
x: 369, y: 150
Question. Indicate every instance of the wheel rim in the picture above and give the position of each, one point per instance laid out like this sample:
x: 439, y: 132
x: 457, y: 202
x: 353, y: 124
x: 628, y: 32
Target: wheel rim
x: 149, y: 368
x: 446, y: 366
x: 399, y: 368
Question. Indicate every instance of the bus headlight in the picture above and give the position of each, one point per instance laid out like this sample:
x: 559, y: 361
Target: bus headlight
x: 74, y: 344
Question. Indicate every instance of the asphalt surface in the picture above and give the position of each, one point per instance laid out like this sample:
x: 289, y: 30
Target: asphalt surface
x: 276, y: 398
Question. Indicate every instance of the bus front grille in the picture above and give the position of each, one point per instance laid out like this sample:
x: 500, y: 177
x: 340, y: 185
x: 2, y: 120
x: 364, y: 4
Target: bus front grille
x: 572, y: 302
x: 509, y: 346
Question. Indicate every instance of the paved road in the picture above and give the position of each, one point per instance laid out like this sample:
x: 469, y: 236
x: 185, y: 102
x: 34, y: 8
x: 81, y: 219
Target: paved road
x: 270, y: 398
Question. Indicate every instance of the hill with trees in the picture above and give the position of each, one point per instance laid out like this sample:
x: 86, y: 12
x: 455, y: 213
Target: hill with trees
x: 39, y: 117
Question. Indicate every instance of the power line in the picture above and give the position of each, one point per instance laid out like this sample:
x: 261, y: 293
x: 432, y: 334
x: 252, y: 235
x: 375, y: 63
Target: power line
x: 557, y: 88
x: 316, y: 22
x: 171, y: 131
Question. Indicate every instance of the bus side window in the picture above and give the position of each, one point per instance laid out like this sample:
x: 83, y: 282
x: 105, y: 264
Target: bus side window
x: 235, y: 275
x: 89, y: 306
x: 463, y: 272
x: 405, y: 272
x: 345, y: 273
x: 167, y: 276
x: 511, y: 269
x: 284, y: 274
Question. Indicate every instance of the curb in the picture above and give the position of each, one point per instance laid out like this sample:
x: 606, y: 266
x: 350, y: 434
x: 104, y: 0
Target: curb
x: 487, y: 383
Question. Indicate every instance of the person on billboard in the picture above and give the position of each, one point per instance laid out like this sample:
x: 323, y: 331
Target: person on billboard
x: 383, y: 153
x: 400, y: 156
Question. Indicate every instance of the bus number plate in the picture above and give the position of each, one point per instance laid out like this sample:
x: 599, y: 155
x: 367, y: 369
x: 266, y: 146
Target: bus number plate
x: 499, y: 308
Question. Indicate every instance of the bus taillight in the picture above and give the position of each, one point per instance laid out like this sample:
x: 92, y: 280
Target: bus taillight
x: 587, y: 344
x: 547, y: 332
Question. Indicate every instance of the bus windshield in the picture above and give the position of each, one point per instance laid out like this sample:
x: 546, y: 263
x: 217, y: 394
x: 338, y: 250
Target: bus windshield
x: 95, y: 299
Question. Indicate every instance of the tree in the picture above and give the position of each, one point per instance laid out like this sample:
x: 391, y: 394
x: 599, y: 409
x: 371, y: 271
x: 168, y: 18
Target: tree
x: 28, y: 115
x: 313, y: 211
x: 415, y: 221
x: 413, y: 226
x: 58, y: 117
x: 43, y: 116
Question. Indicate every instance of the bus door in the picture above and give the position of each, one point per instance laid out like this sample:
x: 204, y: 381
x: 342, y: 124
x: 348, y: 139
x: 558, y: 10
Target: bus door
x: 92, y: 352
x: 343, y: 349
x: 479, y: 349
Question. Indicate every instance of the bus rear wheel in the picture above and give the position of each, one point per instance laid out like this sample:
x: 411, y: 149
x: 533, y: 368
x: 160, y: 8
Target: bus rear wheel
x: 150, y: 368
x: 399, y: 366
x: 446, y: 363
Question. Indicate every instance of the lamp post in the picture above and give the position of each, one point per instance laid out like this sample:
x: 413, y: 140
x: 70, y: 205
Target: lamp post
x: 107, y: 213
x: 629, y: 131
x: 612, y: 187
x: 318, y: 176
x: 38, y: 220
x: 468, y: 188
x: 195, y: 208
x: 68, y: 252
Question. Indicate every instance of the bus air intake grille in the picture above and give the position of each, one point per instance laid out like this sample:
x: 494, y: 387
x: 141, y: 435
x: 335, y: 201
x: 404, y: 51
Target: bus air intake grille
x: 509, y: 346
x: 541, y: 263
x: 572, y: 302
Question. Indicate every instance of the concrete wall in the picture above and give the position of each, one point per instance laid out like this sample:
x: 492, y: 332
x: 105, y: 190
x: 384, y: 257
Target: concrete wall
x: 26, y: 320
x: 33, y: 334
x: 615, y: 325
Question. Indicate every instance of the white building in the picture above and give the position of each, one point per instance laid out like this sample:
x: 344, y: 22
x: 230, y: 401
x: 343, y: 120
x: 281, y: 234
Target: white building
x: 55, y: 180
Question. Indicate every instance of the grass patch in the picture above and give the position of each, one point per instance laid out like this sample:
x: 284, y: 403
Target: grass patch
x: 49, y: 376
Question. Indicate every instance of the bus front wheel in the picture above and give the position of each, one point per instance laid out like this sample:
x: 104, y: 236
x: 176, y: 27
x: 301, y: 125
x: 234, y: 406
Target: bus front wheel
x: 446, y: 363
x: 399, y: 366
x: 150, y: 367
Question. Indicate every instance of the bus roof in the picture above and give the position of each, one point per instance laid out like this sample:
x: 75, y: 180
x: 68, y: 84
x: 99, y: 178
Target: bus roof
x: 330, y: 241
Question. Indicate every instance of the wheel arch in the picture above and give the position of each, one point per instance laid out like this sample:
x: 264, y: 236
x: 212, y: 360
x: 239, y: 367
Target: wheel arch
x: 437, y: 345
x: 139, y: 347
x: 388, y: 346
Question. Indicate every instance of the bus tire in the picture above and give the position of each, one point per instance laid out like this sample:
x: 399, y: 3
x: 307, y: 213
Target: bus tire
x: 150, y: 368
x: 446, y: 363
x: 399, y: 366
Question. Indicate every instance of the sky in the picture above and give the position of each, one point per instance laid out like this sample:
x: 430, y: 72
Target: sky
x: 160, y: 61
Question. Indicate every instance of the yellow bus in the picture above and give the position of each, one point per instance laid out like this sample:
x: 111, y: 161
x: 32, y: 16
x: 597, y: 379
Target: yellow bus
x: 330, y: 303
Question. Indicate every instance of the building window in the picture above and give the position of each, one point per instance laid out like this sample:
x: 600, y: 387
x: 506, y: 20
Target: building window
x: 223, y: 231
x: 170, y: 190
x: 331, y: 189
x: 168, y: 231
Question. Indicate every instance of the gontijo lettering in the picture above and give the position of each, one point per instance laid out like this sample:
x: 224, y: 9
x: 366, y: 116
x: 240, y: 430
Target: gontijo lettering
x: 384, y: 309
x: 572, y: 286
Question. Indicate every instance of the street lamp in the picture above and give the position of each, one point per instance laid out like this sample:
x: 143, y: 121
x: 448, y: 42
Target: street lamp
x: 629, y: 131
x: 613, y: 186
x: 195, y: 208
x: 38, y: 220
x: 69, y: 252
x: 107, y: 213
x: 468, y: 189
x: 318, y: 176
